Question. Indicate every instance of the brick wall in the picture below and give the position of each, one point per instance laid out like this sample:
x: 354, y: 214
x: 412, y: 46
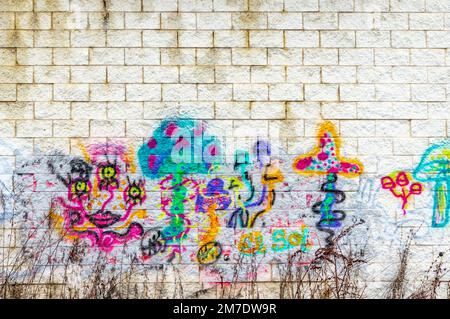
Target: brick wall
x: 100, y: 80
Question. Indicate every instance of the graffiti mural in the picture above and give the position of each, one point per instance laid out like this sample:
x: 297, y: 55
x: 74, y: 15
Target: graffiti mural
x: 400, y: 185
x: 434, y: 167
x: 325, y: 159
x: 103, y: 198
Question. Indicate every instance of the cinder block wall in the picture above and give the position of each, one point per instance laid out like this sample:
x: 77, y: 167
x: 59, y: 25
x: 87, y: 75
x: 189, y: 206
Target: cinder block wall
x: 83, y: 78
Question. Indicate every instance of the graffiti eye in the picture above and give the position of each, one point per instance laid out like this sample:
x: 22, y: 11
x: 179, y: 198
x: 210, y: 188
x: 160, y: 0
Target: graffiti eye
x: 134, y: 194
x: 80, y: 188
x: 107, y: 175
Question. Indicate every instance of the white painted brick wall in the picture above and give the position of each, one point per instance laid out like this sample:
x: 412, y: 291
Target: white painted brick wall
x: 112, y: 70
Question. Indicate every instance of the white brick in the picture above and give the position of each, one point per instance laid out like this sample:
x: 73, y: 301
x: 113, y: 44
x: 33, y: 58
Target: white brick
x: 196, y: 74
x: 34, y: 128
x: 34, y: 92
x: 124, y: 38
x: 303, y: 110
x: 177, y: 56
x: 111, y: 128
x: 320, y: 56
x: 105, y: 21
x: 428, y: 92
x: 408, y: 5
x: 8, y: 92
x: 68, y: 20
x: 321, y: 92
x: 267, y: 74
x: 143, y: 92
x: 356, y: 21
x: 285, y: 20
x: 89, y: 110
x: 8, y: 56
x: 355, y: 56
x: 336, y: 5
x: 408, y: 39
x: 428, y: 128
x: 232, y: 74
x: 215, y: 92
x: 393, y: 92
x: 323, y: 20
x: 230, y: 38
x: 438, y: 39
x: 52, y: 110
x: 391, y: 56
x: 428, y: 57
x: 339, y: 39
x: 340, y: 110
x: 16, y: 74
x: 371, y: 6
x: 213, y: 57
x: 160, y: 5
x: 262, y: 39
x: 368, y: 74
x: 125, y: 110
x: 51, y: 74
x: 426, y: 21
x: 369, y: 39
x: 409, y: 74
x: 16, y: 111
x: 250, y: 92
x: 251, y: 56
x: 249, y: 20
x: 303, y: 74
x: 71, y: 92
x: 179, y: 92
x: 301, y: 5
x: 161, y: 74
x: 107, y: 56
x: 389, y: 128
x: 195, y: 5
x: 214, y: 20
x: 268, y: 110
x: 124, y: 5
x: 71, y: 128
x: 339, y: 74
x: 32, y: 20
x: 125, y: 74
x: 75, y: 56
x: 176, y: 21
x: 301, y: 39
x: 285, y: 56
x: 45, y: 5
x: 142, y: 20
x: 285, y: 92
x: 391, y: 21
x: 88, y: 74
x: 195, y: 39
x: 51, y: 39
x: 107, y: 92
x: 232, y: 110
x: 357, y: 92
x: 358, y: 128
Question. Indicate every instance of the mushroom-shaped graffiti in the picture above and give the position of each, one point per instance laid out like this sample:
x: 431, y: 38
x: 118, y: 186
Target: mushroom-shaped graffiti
x: 177, y: 148
x: 213, y: 198
x: 435, y: 167
x: 325, y: 159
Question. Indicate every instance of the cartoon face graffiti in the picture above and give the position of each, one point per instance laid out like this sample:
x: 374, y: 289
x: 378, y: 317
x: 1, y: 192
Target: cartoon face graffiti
x: 102, y: 199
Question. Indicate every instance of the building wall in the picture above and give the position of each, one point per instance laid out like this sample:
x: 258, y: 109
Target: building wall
x: 152, y: 83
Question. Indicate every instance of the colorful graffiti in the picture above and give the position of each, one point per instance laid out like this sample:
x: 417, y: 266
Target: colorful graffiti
x: 325, y: 159
x: 177, y: 148
x: 177, y: 199
x: 400, y: 185
x: 102, y: 197
x: 434, y: 167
